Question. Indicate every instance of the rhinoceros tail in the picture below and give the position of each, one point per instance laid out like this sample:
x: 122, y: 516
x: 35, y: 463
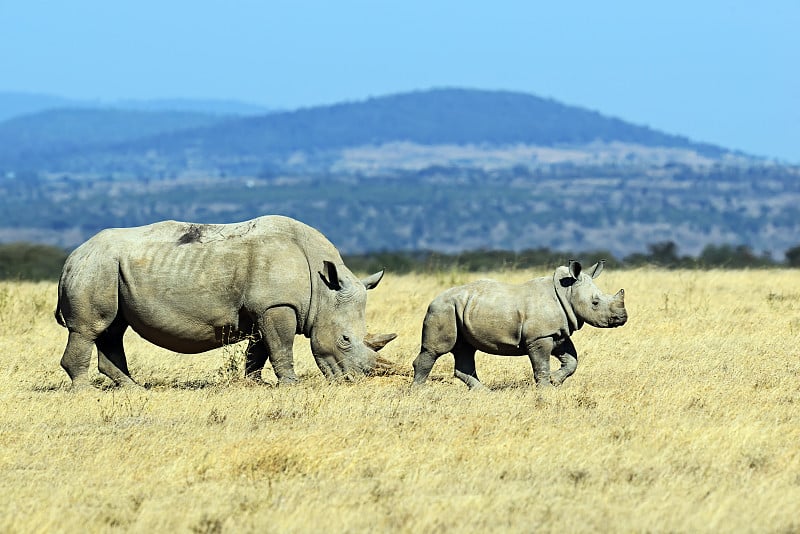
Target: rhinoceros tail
x: 58, y: 315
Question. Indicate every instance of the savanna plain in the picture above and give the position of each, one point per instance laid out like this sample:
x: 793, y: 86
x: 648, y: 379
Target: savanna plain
x: 686, y: 419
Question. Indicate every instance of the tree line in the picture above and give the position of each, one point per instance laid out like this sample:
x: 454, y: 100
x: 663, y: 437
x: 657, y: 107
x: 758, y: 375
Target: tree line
x: 37, y: 262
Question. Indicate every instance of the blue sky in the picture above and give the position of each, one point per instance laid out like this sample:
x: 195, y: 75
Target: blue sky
x: 724, y: 72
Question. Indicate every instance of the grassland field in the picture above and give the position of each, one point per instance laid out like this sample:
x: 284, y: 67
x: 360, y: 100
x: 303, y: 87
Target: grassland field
x: 686, y: 419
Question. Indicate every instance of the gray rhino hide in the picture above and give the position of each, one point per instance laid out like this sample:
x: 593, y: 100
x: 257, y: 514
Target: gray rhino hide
x: 535, y: 319
x: 190, y: 288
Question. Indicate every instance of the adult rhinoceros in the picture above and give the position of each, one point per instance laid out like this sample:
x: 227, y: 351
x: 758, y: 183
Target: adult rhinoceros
x: 193, y: 287
x: 534, y: 319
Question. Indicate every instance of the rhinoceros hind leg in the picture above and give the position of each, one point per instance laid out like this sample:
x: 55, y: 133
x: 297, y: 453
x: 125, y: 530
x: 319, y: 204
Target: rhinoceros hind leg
x: 465, y: 365
x: 111, y: 360
x: 75, y: 360
x: 568, y: 357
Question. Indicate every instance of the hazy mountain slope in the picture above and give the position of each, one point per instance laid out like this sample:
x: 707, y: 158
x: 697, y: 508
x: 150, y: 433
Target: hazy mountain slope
x: 441, y: 116
x: 42, y: 138
x: 119, y: 140
x: 208, y: 106
x: 15, y: 104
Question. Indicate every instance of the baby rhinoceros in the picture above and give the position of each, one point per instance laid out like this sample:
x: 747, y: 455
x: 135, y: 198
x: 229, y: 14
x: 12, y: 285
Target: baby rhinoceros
x: 534, y: 319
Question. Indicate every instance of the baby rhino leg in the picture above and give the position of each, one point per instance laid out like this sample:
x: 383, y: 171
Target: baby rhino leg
x: 568, y: 357
x: 539, y: 351
x: 439, y: 335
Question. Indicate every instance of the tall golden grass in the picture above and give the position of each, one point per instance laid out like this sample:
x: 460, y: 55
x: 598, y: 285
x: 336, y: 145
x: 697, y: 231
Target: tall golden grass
x: 686, y: 419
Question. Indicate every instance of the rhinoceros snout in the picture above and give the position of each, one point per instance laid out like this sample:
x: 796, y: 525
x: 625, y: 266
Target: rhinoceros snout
x: 618, y: 319
x: 619, y: 315
x: 363, y: 361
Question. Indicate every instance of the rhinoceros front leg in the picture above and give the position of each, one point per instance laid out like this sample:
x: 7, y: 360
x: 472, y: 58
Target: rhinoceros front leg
x: 439, y: 335
x: 277, y: 327
x: 539, y: 351
x: 568, y: 357
x: 255, y: 359
x: 111, y: 360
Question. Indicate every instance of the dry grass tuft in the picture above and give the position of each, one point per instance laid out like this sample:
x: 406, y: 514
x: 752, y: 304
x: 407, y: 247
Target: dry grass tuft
x: 387, y: 367
x: 686, y: 419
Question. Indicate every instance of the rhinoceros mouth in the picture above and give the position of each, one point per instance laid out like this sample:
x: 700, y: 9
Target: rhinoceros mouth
x: 349, y: 368
x: 618, y: 321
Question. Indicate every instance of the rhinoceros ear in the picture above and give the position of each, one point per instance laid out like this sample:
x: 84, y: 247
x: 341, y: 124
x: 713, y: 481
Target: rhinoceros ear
x: 371, y: 281
x: 330, y: 276
x: 597, y: 268
x: 575, y: 269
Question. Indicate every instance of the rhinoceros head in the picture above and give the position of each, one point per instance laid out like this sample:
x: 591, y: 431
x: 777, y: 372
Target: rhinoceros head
x: 339, y: 341
x: 584, y: 302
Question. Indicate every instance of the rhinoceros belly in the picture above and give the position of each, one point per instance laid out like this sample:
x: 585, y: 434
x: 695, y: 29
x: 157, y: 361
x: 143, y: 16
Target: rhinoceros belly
x: 181, y: 303
x: 491, y: 327
x: 173, y: 328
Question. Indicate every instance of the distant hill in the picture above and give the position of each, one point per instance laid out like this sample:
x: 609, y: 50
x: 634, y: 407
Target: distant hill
x: 38, y: 141
x: 434, y: 117
x: 444, y: 170
x: 15, y: 104
x: 206, y: 106
x: 440, y: 116
x: 249, y: 144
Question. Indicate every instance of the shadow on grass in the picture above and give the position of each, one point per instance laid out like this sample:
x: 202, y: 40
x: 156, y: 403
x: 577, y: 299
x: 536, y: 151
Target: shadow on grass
x: 102, y: 384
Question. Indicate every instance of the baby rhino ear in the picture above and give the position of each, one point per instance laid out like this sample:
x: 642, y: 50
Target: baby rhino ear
x: 575, y: 269
x: 597, y: 268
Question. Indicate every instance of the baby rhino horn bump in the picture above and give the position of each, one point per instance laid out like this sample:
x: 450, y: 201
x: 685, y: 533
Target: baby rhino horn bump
x: 377, y: 341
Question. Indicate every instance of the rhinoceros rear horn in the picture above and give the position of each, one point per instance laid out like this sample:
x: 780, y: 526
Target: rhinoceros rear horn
x: 377, y: 341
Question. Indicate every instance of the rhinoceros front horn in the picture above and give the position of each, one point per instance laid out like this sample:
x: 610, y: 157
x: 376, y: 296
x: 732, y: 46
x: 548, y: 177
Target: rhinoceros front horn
x: 383, y: 366
x: 377, y: 341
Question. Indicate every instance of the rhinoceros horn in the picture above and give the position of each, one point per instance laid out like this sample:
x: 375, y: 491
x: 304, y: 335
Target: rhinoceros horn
x: 377, y: 341
x: 383, y: 366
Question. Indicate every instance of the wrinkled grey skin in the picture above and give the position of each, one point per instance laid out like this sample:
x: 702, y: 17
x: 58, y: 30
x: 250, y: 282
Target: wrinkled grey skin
x: 535, y: 319
x: 190, y: 288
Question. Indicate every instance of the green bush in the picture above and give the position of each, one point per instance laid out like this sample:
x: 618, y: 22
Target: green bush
x: 29, y: 261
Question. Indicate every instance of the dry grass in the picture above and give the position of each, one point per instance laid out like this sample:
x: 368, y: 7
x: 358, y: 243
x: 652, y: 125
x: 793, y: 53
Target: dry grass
x: 686, y: 419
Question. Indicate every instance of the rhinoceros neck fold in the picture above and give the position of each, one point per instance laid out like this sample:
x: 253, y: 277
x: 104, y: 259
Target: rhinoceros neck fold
x: 563, y: 294
x: 304, y: 324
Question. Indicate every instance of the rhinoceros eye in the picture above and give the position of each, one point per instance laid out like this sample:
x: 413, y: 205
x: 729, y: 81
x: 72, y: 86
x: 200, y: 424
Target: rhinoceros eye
x: 595, y: 302
x: 344, y: 341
